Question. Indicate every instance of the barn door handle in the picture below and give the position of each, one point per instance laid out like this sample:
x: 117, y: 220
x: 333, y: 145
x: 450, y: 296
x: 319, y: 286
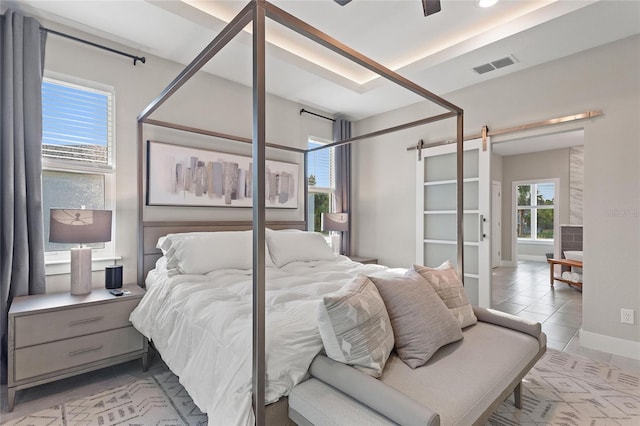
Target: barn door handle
x: 482, y: 221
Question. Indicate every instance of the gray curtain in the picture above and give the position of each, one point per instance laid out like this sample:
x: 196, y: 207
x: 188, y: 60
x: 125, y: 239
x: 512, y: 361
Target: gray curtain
x: 21, y: 231
x: 342, y: 131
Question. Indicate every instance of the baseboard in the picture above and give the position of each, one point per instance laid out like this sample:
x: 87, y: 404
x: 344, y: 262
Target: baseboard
x: 532, y: 258
x: 614, y: 345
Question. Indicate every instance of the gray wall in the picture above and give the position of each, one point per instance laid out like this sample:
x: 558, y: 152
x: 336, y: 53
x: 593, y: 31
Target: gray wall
x: 537, y: 165
x: 607, y: 78
x: 205, y: 101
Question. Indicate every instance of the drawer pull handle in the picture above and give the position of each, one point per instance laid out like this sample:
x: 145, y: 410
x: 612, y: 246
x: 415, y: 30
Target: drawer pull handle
x: 84, y: 321
x: 84, y: 351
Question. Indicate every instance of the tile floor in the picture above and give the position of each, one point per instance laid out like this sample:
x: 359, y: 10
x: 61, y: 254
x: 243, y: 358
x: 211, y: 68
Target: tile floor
x: 523, y: 291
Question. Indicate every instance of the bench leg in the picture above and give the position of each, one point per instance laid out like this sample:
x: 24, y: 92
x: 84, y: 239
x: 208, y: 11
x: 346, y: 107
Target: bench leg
x: 517, y: 396
x: 551, y: 273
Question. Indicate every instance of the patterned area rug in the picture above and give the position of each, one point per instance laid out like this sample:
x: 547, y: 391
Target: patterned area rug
x: 562, y: 389
x: 158, y: 400
x: 568, y: 390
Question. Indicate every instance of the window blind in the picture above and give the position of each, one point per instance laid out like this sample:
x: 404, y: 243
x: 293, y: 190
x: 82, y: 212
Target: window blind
x: 77, y: 124
x: 321, y: 165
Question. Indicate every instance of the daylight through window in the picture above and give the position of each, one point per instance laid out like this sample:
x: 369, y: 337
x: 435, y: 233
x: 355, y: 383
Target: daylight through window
x: 321, y: 183
x: 77, y: 154
x: 535, y: 211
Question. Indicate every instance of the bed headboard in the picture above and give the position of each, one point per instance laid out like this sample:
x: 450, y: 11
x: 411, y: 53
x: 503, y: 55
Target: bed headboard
x: 151, y: 231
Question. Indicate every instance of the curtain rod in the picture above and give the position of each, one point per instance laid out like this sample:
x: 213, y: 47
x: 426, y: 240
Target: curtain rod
x: 317, y: 115
x: 99, y: 46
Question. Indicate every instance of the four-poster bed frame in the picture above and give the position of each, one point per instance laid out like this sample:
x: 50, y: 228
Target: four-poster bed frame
x: 256, y: 13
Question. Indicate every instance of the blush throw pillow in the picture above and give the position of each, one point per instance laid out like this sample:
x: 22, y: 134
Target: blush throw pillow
x: 421, y: 321
x: 446, y: 282
x: 355, y: 327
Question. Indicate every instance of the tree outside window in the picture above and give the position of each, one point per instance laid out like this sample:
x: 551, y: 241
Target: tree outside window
x: 321, y: 183
x: 535, y: 211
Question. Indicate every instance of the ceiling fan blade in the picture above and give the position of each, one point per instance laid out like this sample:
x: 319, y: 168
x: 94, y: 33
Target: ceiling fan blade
x: 430, y: 7
x: 342, y: 2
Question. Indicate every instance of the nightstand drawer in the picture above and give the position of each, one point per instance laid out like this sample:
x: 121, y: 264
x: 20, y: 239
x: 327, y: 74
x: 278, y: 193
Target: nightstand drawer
x: 53, y: 357
x: 63, y: 324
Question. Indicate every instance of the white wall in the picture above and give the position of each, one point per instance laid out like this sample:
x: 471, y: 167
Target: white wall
x: 205, y: 101
x: 607, y: 78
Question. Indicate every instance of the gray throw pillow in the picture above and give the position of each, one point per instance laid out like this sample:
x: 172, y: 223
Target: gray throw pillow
x: 355, y: 327
x: 446, y: 282
x: 421, y: 321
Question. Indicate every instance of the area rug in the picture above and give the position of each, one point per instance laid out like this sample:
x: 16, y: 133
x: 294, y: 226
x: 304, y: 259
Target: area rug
x: 567, y: 390
x: 562, y: 389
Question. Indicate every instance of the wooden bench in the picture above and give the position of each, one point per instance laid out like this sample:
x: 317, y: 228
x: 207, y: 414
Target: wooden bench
x: 564, y: 262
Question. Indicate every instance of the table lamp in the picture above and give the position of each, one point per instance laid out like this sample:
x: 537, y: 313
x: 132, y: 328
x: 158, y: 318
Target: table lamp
x: 336, y: 223
x: 80, y: 226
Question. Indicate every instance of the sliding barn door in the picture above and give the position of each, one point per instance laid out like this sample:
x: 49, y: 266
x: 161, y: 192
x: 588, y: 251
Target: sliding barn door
x: 436, y: 214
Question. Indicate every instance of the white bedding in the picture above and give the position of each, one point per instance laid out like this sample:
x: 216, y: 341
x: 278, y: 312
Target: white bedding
x: 201, y: 324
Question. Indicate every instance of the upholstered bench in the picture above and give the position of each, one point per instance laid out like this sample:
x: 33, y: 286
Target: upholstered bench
x: 462, y: 384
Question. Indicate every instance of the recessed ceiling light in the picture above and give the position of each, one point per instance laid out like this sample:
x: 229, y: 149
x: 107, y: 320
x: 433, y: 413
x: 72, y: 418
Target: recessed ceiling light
x: 487, y: 3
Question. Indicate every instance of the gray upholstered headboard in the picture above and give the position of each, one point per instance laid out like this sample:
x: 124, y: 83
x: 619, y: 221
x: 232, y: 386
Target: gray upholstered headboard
x: 151, y: 231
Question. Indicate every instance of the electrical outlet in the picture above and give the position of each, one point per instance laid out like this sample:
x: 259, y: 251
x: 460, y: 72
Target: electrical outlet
x: 626, y: 316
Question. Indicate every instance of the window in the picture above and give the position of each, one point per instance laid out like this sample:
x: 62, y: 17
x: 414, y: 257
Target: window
x: 535, y: 211
x: 321, y: 183
x: 77, y: 155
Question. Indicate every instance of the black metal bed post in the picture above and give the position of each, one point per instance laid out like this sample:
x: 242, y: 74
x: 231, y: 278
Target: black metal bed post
x: 259, y: 141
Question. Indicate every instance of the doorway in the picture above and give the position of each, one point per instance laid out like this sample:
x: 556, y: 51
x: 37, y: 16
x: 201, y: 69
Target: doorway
x: 548, y: 156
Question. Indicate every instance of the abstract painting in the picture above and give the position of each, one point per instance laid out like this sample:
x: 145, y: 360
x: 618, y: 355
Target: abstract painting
x: 179, y: 175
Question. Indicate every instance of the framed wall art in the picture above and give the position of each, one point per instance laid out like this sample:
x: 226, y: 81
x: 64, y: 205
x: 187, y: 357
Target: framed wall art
x: 179, y: 175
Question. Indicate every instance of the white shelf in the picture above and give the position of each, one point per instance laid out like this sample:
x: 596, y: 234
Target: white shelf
x: 450, y: 212
x: 450, y: 181
x: 452, y: 242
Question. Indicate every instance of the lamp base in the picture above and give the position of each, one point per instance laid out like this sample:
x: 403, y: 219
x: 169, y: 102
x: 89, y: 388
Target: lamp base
x: 80, y: 270
x: 335, y: 243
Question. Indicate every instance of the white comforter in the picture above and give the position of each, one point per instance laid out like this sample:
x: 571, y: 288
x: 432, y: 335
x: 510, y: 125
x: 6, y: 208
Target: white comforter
x: 202, y: 326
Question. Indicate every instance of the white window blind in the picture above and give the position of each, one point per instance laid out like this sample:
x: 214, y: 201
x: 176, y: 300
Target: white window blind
x: 321, y: 165
x: 77, y: 124
x: 77, y: 156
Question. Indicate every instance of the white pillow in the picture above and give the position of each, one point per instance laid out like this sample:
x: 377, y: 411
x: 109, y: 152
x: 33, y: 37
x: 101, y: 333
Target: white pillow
x: 573, y: 255
x: 287, y: 247
x: 189, y: 241
x: 355, y: 327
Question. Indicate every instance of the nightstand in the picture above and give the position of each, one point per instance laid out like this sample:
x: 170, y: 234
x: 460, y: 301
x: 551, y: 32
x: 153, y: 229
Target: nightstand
x: 57, y: 335
x: 365, y: 260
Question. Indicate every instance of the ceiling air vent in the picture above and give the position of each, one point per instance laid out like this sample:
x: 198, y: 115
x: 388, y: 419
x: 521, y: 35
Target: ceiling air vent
x: 483, y: 68
x: 504, y: 62
x: 494, y: 65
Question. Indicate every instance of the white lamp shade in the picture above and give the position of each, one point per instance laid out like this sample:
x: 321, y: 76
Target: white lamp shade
x: 80, y: 226
x: 338, y: 222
